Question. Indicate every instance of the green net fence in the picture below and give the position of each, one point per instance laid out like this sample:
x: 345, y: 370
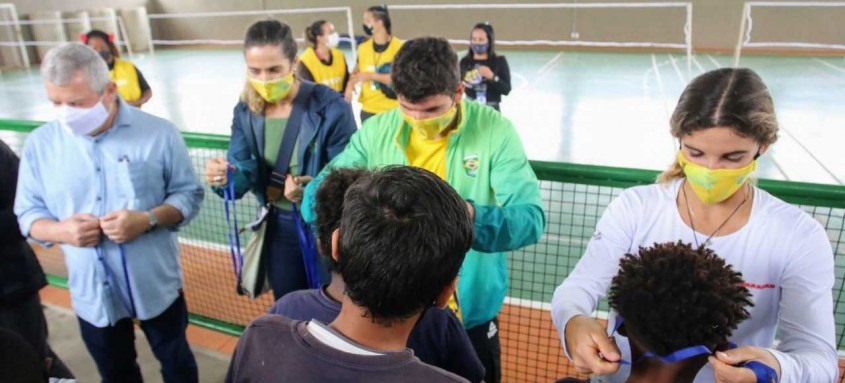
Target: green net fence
x: 574, y: 197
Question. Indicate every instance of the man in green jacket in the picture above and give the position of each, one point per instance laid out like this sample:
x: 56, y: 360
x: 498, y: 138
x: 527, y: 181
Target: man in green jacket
x: 479, y: 153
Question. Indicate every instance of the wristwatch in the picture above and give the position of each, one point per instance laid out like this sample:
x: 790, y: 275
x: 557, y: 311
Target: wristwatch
x: 153, y: 221
x: 496, y: 78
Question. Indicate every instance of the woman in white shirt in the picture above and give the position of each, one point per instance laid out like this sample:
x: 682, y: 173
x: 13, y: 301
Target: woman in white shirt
x: 724, y: 121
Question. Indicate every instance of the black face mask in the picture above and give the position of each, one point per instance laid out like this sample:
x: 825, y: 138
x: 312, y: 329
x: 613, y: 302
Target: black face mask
x: 106, y: 55
x: 368, y: 30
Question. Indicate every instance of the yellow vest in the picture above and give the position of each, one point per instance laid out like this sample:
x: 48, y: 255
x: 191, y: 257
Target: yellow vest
x: 125, y: 76
x: 372, y: 99
x: 328, y: 75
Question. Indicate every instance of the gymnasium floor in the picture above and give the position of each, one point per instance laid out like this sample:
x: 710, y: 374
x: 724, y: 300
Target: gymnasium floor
x: 583, y: 107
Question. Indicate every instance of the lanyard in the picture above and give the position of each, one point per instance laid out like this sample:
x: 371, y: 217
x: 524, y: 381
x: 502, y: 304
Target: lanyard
x: 310, y: 257
x: 234, y: 237
x: 764, y: 373
x: 109, y: 276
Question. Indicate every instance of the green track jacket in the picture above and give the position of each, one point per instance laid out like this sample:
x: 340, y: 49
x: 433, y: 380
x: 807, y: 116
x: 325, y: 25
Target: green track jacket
x: 486, y: 164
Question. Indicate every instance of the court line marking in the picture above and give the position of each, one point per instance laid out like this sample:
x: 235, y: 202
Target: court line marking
x: 677, y: 69
x: 780, y: 168
x: 204, y: 244
x: 813, y: 156
x: 522, y: 80
x: 646, y: 75
x: 829, y: 65
x: 549, y: 64
x: 540, y: 72
x: 698, y: 64
x: 527, y: 303
x: 659, y: 80
x: 823, y: 73
x: 715, y: 63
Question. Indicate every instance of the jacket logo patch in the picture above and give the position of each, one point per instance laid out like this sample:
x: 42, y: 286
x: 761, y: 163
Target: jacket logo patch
x: 471, y: 164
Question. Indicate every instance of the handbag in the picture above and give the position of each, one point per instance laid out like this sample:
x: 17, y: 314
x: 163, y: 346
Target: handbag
x: 249, y: 265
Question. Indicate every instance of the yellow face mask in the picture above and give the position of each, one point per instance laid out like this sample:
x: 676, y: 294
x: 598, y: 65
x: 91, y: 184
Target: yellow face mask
x: 273, y: 90
x: 430, y: 128
x: 714, y: 185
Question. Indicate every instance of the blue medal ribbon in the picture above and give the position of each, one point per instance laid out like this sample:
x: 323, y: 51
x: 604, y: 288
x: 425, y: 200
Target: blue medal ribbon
x: 763, y: 372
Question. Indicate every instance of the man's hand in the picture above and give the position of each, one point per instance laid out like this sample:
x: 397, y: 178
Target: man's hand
x: 81, y: 230
x: 124, y: 225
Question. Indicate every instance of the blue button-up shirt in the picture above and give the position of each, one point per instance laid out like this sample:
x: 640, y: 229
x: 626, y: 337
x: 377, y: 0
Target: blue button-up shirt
x: 140, y: 163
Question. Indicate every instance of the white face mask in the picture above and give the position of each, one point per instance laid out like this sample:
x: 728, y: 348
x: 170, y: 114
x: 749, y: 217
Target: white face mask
x: 82, y: 121
x: 334, y: 40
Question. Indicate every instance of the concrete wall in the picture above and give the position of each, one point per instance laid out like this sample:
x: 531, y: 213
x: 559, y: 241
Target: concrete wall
x: 715, y: 22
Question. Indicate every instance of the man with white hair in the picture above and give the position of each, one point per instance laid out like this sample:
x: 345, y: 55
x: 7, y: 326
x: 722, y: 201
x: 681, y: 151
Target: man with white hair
x: 111, y: 185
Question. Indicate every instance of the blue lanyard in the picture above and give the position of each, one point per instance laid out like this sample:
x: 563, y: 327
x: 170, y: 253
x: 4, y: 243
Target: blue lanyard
x: 102, y: 259
x: 764, y: 373
x: 309, y: 250
x: 234, y: 238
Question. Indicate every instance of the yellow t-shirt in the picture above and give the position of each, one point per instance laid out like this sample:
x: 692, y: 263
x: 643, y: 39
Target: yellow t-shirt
x: 427, y: 154
x: 431, y: 155
x: 372, y: 98
x: 329, y: 75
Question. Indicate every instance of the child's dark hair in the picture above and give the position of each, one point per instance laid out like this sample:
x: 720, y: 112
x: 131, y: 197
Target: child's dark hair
x: 672, y: 296
x: 329, y: 207
x: 403, y: 237
x: 313, y: 31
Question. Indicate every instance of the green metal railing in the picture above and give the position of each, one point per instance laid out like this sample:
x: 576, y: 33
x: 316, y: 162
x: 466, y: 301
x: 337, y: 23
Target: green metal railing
x: 574, y: 196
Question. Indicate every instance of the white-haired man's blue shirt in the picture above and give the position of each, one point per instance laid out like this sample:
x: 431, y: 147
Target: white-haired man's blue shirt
x: 138, y: 164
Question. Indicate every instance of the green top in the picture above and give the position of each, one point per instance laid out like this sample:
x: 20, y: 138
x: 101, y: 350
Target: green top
x: 274, y: 130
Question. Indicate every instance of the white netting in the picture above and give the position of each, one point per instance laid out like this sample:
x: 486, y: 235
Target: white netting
x: 816, y: 17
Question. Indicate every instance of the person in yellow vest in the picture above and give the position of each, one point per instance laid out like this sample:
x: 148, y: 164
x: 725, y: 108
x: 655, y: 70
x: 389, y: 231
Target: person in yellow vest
x: 375, y: 58
x: 131, y: 84
x: 322, y: 62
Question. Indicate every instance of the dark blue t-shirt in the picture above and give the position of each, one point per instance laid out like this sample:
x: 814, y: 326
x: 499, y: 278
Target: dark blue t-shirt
x: 439, y: 339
